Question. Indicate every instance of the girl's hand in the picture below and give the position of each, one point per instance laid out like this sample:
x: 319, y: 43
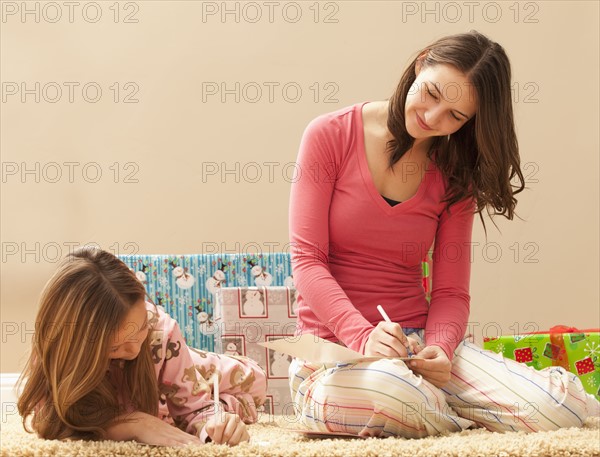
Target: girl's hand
x: 149, y: 429
x: 435, y: 369
x: 387, y: 340
x: 226, y: 428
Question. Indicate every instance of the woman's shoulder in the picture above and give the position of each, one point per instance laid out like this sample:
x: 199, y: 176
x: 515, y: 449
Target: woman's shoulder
x: 339, y: 119
x: 336, y: 130
x: 344, y: 111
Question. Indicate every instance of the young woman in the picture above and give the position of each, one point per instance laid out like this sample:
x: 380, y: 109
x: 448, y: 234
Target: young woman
x: 379, y: 183
x: 106, y: 364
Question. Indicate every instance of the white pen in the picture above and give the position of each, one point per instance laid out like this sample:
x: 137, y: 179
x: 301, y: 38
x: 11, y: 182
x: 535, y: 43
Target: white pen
x: 215, y: 380
x: 387, y: 319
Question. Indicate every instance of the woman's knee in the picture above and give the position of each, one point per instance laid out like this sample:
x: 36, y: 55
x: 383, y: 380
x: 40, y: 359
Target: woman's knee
x: 388, y: 398
x: 504, y: 395
x: 560, y: 401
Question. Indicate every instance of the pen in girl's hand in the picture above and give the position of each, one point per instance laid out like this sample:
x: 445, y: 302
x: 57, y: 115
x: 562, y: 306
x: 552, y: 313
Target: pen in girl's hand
x: 387, y: 319
x: 215, y: 380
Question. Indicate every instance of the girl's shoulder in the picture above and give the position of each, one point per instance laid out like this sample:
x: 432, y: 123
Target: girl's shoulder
x: 158, y: 318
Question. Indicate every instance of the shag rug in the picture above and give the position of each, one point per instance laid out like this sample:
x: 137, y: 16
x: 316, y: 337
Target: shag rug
x: 273, y: 438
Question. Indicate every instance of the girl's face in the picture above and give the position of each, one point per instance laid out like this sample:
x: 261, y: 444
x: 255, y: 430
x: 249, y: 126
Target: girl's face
x: 440, y: 101
x: 126, y: 342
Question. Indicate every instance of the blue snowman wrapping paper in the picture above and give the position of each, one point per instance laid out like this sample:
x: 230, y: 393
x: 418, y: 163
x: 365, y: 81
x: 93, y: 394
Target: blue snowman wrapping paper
x: 185, y: 285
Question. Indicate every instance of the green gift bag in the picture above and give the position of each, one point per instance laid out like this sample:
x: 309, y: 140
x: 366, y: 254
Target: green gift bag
x: 578, y: 351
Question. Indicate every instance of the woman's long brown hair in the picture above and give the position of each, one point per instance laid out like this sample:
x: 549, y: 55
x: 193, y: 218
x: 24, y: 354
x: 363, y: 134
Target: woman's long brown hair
x: 482, y: 157
x: 66, y: 390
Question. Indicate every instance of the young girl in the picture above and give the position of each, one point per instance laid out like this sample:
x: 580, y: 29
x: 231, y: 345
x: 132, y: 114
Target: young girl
x: 380, y: 182
x: 106, y: 364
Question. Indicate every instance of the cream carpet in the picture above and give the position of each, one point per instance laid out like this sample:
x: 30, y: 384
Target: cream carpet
x: 270, y: 438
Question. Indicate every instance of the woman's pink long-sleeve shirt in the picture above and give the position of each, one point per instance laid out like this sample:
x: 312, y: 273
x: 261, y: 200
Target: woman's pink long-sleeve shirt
x: 352, y: 251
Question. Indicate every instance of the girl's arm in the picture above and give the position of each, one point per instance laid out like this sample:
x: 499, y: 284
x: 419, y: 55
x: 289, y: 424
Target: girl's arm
x: 148, y: 429
x: 184, y: 380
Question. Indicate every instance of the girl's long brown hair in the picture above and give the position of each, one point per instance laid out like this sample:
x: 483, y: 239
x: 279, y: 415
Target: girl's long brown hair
x: 482, y: 157
x: 66, y: 390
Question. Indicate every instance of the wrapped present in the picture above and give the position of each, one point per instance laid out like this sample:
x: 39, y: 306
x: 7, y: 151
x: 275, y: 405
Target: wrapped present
x: 185, y: 285
x: 577, y: 351
x: 246, y: 316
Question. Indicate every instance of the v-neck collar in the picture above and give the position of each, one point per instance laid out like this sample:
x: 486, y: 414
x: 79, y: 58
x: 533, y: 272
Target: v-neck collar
x: 368, y: 178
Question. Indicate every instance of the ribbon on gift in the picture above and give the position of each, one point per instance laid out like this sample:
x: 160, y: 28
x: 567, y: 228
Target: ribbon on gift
x: 557, y: 339
x: 560, y: 357
x: 566, y: 329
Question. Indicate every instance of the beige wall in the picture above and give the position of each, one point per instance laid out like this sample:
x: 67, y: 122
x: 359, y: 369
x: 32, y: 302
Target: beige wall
x: 535, y: 273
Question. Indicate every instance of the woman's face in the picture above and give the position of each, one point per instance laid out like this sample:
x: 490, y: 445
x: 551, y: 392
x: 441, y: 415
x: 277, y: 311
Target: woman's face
x: 126, y: 342
x: 440, y: 101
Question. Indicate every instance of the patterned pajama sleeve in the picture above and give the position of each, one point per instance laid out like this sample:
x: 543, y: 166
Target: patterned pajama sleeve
x: 185, y: 379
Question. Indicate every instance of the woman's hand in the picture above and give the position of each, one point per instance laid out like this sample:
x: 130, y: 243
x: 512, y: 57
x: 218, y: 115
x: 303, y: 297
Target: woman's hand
x: 150, y: 429
x: 388, y: 340
x: 436, y: 366
x: 226, y: 428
